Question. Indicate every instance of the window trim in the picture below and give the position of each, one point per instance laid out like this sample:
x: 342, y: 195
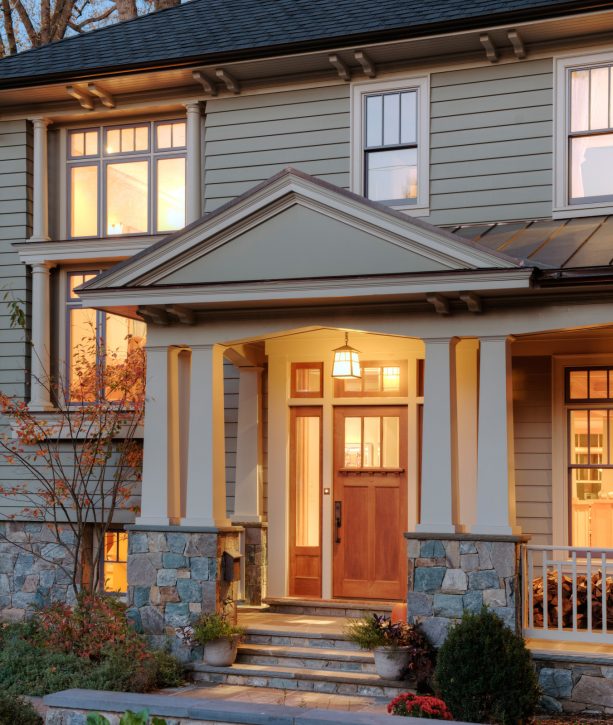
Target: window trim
x: 562, y: 206
x: 359, y: 91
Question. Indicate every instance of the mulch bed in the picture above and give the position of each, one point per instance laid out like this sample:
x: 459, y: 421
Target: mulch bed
x: 574, y: 720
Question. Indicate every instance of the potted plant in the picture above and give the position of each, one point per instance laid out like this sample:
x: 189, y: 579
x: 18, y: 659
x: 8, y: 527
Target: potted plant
x: 399, y: 649
x: 219, y: 637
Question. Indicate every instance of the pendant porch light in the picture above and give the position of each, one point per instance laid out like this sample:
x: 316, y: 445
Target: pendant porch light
x: 346, y: 364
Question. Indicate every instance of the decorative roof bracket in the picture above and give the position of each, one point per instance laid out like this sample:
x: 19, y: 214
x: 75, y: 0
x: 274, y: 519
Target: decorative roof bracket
x: 472, y: 301
x: 491, y: 52
x: 518, y: 44
x: 229, y: 80
x: 440, y: 303
x: 341, y: 67
x: 207, y: 84
x: 105, y: 97
x: 85, y: 100
x: 368, y: 66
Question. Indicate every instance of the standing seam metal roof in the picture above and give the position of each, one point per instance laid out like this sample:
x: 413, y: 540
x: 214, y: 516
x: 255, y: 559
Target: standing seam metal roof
x: 210, y: 29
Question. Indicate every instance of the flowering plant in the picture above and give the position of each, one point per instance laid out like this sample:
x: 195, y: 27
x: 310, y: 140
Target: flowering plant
x: 409, y: 705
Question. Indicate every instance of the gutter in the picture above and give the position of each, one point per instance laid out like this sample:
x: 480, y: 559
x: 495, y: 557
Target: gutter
x: 310, y: 45
x: 577, y: 277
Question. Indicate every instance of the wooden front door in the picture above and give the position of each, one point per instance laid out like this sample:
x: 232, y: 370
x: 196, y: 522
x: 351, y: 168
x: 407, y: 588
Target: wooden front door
x: 370, y: 502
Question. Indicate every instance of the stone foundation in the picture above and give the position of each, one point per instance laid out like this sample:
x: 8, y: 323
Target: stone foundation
x: 26, y: 580
x: 174, y: 574
x: 256, y: 555
x: 451, y: 574
x: 574, y: 686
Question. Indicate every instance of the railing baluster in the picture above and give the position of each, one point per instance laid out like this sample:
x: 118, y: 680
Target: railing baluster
x: 559, y: 570
x: 574, y: 572
x: 545, y: 593
x: 603, y: 587
x: 588, y: 574
x: 530, y: 585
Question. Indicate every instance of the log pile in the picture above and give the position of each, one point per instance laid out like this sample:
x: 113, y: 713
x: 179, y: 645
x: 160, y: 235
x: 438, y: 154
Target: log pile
x: 567, y: 601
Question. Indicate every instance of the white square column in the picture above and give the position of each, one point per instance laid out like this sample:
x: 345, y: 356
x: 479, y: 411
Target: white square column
x: 193, y: 172
x: 439, y: 443
x: 205, y: 503
x: 248, y: 488
x: 40, y: 375
x: 40, y: 183
x: 158, y: 459
x: 495, y: 459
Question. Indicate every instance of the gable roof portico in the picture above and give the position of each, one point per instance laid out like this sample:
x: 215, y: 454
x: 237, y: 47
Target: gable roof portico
x: 297, y: 237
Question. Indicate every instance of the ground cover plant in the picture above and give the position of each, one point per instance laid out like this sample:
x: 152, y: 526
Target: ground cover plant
x: 17, y: 711
x: 92, y: 646
x: 484, y: 672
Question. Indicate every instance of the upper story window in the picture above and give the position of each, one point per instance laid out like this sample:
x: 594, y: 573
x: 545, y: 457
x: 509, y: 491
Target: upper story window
x: 127, y: 179
x: 390, y: 142
x: 583, y: 183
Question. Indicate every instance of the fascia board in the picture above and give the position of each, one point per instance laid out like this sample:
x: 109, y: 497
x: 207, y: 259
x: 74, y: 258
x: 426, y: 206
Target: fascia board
x: 77, y: 251
x: 300, y: 290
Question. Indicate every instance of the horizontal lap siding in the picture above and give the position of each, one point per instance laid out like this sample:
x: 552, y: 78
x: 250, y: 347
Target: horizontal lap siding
x: 491, y: 143
x: 15, y: 226
x: 533, y: 434
x: 248, y: 139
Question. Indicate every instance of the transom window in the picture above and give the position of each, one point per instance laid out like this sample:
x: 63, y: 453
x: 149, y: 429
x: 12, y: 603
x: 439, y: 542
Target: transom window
x: 90, y: 335
x: 379, y: 379
x: 126, y: 179
x: 589, y: 400
x: 591, y: 134
x: 390, y: 146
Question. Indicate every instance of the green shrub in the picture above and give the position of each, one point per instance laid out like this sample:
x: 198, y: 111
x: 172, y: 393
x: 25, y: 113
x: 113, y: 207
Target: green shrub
x: 17, y: 711
x: 212, y: 626
x: 129, y: 718
x: 484, y: 672
x: 169, y: 671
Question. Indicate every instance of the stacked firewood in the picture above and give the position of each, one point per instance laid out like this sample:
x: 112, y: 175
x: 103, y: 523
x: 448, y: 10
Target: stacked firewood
x: 567, y: 601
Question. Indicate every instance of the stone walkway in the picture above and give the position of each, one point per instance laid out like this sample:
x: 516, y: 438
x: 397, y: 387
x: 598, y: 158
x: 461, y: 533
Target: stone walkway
x: 290, y: 698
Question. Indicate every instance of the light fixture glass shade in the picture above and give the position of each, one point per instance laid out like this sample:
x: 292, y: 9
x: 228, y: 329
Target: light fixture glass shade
x: 346, y: 365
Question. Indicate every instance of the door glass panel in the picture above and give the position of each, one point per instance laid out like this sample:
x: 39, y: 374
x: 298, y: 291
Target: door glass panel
x: 353, y: 442
x: 372, y: 442
x: 307, y: 480
x: 391, y: 442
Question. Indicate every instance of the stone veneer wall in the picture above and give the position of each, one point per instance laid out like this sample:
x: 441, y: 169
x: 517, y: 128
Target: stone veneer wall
x: 256, y: 559
x: 174, y: 574
x: 451, y: 574
x: 574, y: 686
x: 26, y: 580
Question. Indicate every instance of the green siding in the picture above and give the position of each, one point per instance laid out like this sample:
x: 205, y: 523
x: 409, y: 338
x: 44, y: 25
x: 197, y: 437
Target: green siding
x: 250, y: 138
x: 491, y: 143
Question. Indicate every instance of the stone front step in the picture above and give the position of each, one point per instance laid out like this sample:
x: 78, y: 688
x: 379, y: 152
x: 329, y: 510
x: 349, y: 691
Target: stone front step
x: 328, y: 607
x: 314, y: 658
x: 302, y: 639
x: 287, y: 678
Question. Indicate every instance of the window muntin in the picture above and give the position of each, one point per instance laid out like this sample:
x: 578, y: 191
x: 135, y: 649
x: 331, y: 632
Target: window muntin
x: 379, y: 379
x: 372, y: 441
x: 115, y: 564
x: 127, y: 184
x: 307, y: 380
x: 90, y: 334
x: 390, y: 146
x: 590, y: 137
x: 589, y: 402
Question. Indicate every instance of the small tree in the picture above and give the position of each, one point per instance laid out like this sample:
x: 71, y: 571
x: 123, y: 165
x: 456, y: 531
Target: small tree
x: 81, y: 462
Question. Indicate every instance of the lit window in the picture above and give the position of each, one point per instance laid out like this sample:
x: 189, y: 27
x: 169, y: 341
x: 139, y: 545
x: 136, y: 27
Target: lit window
x: 127, y: 184
x: 378, y: 380
x: 591, y: 134
x: 590, y: 460
x: 115, y: 564
x: 307, y: 380
x: 390, y: 164
x: 94, y: 337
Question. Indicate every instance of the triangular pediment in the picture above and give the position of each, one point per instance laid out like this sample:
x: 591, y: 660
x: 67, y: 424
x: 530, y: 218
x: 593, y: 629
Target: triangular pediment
x: 298, y: 227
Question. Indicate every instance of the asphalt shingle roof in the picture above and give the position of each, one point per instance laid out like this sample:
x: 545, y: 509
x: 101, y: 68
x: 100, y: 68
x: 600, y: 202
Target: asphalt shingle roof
x: 216, y: 30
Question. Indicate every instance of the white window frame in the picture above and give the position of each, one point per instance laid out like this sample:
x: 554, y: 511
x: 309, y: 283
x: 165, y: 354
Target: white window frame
x: 359, y: 91
x: 562, y: 208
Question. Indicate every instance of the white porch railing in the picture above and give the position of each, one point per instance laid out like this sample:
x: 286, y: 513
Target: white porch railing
x: 567, y: 593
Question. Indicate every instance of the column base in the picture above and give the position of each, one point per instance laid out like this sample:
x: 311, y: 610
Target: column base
x: 152, y: 521
x: 436, y: 529
x: 485, y: 530
x: 240, y: 519
x: 202, y: 522
x: 39, y: 238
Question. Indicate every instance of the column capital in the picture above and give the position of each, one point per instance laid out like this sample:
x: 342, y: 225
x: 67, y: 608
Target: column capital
x: 43, y: 267
x: 193, y: 107
x: 440, y: 340
x: 40, y: 121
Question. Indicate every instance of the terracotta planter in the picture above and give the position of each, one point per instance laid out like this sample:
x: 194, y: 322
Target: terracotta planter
x: 390, y: 662
x: 221, y: 652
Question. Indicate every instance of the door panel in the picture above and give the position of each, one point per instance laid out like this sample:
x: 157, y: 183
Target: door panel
x: 370, y: 485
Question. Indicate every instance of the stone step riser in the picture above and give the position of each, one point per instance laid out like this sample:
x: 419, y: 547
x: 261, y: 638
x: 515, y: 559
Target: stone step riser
x: 296, y: 662
x: 298, y: 641
x: 326, y: 612
x: 282, y: 683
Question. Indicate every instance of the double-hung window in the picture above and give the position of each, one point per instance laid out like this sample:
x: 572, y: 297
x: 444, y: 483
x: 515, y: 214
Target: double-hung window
x: 390, y: 142
x: 584, y: 135
x: 127, y: 179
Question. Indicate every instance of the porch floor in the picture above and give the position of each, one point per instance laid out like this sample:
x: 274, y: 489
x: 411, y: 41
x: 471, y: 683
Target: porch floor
x: 571, y: 651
